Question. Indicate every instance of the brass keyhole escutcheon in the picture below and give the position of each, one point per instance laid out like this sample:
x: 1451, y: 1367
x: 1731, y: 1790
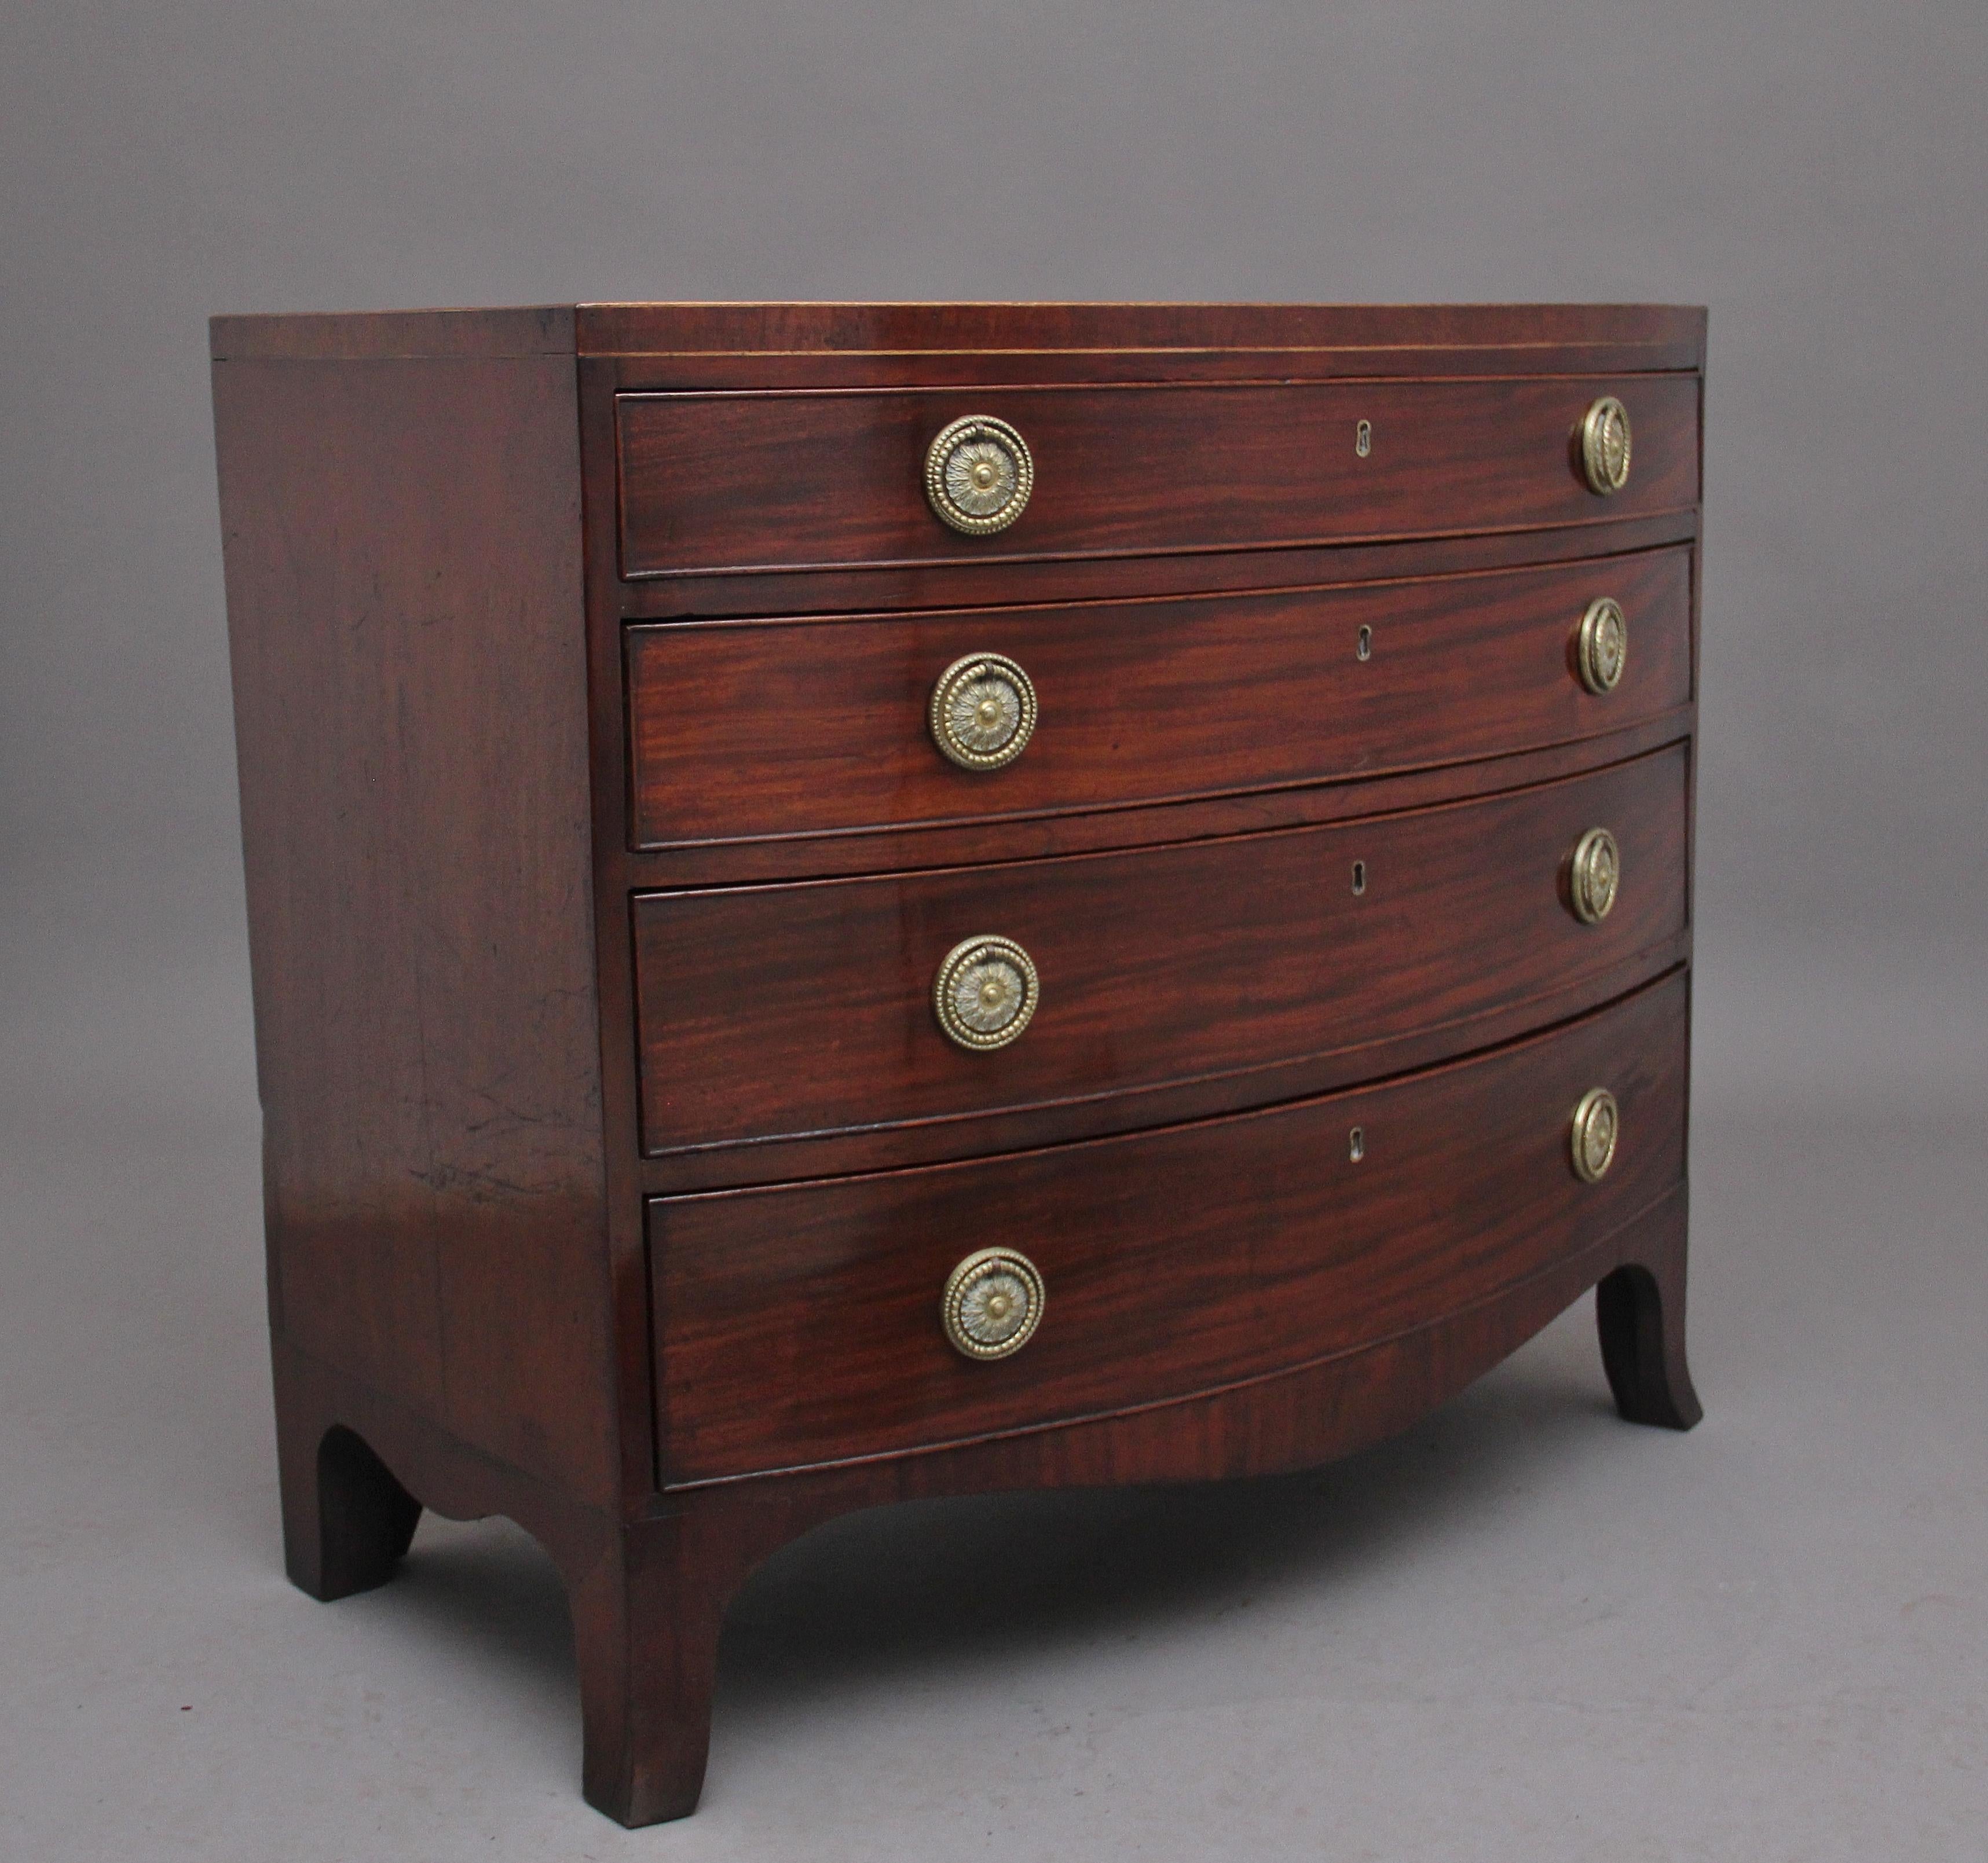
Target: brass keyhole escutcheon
x: 1598, y: 1124
x: 1605, y: 447
x: 992, y: 1303
x: 986, y: 993
x: 983, y: 712
x: 1594, y: 875
x: 979, y: 475
x: 1602, y: 648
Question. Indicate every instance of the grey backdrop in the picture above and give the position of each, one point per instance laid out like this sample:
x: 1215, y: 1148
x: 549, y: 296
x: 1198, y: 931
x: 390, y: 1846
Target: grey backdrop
x: 1520, y: 1627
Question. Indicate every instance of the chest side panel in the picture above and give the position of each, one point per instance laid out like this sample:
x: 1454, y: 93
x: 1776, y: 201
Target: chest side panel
x: 402, y: 541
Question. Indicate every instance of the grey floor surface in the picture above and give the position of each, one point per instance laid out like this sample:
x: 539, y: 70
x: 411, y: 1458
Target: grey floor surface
x: 1523, y: 1630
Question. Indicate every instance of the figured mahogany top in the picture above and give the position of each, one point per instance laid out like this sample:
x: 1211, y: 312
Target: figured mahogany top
x: 1672, y: 335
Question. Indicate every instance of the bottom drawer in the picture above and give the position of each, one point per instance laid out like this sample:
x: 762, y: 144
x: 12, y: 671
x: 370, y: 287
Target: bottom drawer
x: 802, y: 1324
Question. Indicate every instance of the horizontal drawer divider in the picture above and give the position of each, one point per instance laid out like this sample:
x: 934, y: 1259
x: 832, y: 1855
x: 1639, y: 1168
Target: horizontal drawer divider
x: 827, y: 595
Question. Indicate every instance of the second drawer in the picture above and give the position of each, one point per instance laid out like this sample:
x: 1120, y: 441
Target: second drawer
x: 742, y: 730
x: 779, y: 1011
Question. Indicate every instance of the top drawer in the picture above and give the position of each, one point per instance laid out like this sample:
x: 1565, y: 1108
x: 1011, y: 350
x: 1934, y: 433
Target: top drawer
x: 836, y: 477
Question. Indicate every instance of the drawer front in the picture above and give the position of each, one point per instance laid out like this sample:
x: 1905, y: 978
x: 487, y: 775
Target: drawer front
x: 780, y: 1011
x: 741, y: 730
x: 819, y: 479
x: 802, y: 1324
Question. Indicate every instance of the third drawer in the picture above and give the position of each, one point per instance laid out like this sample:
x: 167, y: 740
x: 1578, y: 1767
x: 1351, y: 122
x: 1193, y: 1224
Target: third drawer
x: 780, y: 1011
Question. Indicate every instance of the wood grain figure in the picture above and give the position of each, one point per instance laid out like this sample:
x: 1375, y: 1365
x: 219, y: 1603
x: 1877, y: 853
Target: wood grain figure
x: 605, y: 850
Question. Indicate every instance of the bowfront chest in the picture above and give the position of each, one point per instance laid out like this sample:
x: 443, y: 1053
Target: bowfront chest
x: 854, y: 902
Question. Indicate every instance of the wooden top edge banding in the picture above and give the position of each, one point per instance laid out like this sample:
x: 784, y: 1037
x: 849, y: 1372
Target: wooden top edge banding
x: 826, y: 329
x: 545, y: 329
x: 633, y: 328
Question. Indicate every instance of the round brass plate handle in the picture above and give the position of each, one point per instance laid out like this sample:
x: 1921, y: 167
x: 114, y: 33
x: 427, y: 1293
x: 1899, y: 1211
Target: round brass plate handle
x: 992, y: 1303
x: 1597, y: 1123
x: 1604, y: 447
x: 1594, y: 874
x: 983, y: 712
x: 1604, y: 646
x: 978, y: 474
x: 985, y: 992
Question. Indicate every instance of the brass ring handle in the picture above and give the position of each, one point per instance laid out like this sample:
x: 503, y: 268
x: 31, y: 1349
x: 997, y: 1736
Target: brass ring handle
x: 978, y: 474
x: 1594, y: 875
x: 983, y: 712
x: 992, y: 1303
x: 1603, y: 647
x: 1597, y: 1124
x: 1604, y: 447
x: 985, y: 992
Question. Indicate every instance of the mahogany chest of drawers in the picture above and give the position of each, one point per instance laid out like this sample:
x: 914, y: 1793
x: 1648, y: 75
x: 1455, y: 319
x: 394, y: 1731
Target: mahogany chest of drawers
x: 853, y: 902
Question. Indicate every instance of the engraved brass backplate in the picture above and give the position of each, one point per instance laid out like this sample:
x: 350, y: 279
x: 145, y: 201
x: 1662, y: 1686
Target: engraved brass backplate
x: 1597, y: 1123
x: 992, y: 1303
x: 1604, y: 447
x: 1604, y: 645
x: 983, y: 712
x: 978, y: 474
x: 1594, y: 875
x: 985, y: 992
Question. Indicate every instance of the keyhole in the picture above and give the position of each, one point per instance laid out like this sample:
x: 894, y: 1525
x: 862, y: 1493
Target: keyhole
x: 1356, y: 1143
x: 1365, y: 650
x: 1363, y: 438
x: 1359, y: 877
